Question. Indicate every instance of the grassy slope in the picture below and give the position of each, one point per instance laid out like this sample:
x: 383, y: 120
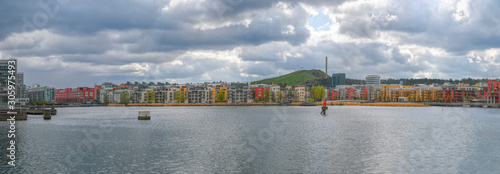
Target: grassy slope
x: 303, y: 77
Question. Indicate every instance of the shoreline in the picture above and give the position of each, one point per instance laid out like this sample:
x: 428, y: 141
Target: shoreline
x: 334, y: 103
x: 328, y: 103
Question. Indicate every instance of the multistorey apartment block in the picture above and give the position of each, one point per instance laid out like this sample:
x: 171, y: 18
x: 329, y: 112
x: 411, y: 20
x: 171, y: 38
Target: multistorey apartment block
x: 246, y: 93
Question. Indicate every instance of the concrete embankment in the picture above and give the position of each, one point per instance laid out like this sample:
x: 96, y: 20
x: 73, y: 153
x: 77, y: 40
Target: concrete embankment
x: 330, y: 103
x: 392, y: 104
x: 482, y: 105
x: 195, y: 104
x: 18, y: 116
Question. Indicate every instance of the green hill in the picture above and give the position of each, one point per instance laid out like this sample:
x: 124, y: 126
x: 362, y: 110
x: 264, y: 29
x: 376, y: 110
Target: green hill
x: 302, y: 77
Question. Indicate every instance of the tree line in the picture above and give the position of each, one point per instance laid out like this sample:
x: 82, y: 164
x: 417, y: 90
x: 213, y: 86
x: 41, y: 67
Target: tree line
x: 412, y: 81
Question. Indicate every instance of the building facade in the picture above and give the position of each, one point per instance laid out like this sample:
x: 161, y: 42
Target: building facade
x: 4, y: 77
x: 492, y: 92
x: 239, y: 93
x: 302, y: 93
x: 373, y: 80
x: 21, y: 87
x: 41, y: 94
x: 338, y: 79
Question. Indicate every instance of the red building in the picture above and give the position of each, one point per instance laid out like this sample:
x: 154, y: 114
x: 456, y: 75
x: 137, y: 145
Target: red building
x: 460, y: 94
x: 80, y: 95
x: 258, y: 92
x: 62, y: 95
x: 451, y: 95
x: 351, y: 93
x: 364, y: 93
x: 331, y: 94
x: 96, y: 92
x: 491, y: 94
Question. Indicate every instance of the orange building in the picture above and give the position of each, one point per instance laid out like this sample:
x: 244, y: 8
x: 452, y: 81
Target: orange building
x: 216, y: 90
x: 385, y: 91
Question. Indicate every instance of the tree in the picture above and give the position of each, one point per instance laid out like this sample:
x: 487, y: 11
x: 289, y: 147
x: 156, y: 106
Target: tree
x: 280, y: 97
x: 150, y: 96
x: 313, y: 92
x: 256, y: 100
x: 106, y: 99
x: 125, y: 97
x: 179, y: 96
x: 320, y: 92
x: 310, y: 100
x: 267, y: 95
x: 221, y: 96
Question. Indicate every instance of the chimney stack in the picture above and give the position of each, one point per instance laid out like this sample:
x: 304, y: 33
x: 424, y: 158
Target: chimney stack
x: 326, y: 66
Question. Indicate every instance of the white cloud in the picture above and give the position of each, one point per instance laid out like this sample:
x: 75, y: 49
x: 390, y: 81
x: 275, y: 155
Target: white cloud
x: 462, y: 12
x: 288, y: 30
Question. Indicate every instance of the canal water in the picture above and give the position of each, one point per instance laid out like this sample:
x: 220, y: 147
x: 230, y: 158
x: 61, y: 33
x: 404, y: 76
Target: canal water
x: 349, y: 139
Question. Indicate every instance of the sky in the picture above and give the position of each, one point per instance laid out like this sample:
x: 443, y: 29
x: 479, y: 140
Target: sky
x: 73, y: 43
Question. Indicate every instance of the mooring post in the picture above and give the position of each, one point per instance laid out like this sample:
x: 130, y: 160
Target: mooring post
x: 323, y: 110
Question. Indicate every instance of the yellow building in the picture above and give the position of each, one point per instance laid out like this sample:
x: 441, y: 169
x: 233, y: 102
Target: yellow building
x: 384, y: 93
x: 183, y: 91
x: 388, y: 90
x: 429, y: 95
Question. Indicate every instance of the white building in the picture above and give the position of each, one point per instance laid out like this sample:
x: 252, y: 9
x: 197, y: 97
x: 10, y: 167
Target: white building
x: 373, y: 80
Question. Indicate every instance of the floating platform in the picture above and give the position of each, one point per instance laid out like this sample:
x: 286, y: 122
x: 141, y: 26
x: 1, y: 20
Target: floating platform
x: 40, y: 111
x: 47, y: 114
x: 307, y: 104
x: 144, y: 115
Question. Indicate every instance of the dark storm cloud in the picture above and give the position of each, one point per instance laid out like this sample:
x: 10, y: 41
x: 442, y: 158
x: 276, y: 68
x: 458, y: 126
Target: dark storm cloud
x: 145, y: 39
x: 159, y: 30
x: 265, y: 52
x: 398, y: 57
x: 422, y: 22
x: 46, y: 44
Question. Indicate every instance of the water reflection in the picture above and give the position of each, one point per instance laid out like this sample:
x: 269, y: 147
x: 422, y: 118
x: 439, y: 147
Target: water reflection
x: 349, y: 139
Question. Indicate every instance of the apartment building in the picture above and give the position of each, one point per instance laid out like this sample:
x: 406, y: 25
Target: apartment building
x: 302, y: 93
x: 41, y: 94
x: 239, y: 93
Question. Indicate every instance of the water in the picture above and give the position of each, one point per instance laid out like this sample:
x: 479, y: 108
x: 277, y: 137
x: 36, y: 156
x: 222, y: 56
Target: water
x: 349, y: 139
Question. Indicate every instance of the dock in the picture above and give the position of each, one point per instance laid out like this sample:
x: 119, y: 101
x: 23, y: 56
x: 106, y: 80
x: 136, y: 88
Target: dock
x: 18, y: 116
x: 31, y: 111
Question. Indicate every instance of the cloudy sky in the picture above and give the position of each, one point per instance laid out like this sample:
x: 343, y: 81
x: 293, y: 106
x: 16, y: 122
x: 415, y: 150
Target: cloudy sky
x: 69, y: 43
